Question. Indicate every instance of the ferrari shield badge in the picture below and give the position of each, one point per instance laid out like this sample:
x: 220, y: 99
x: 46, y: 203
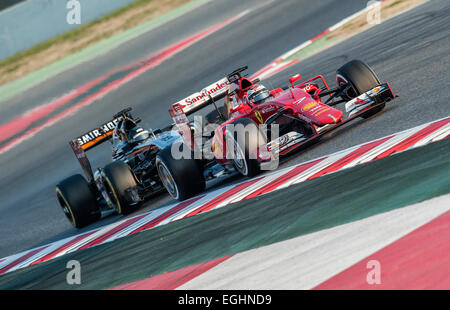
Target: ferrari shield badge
x: 259, y: 116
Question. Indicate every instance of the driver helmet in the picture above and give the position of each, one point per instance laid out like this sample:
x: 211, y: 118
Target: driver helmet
x: 138, y: 134
x: 127, y: 131
x: 123, y: 128
x: 257, y: 94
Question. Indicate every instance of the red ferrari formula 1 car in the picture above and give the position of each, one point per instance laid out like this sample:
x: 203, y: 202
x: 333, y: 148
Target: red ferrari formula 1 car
x: 255, y: 126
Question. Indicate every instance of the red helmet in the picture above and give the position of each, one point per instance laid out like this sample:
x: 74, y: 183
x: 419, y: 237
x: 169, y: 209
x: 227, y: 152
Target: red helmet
x: 257, y: 94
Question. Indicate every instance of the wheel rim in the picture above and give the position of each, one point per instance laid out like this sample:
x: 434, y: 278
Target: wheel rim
x: 112, y: 195
x: 342, y: 82
x: 167, y: 179
x: 239, y: 159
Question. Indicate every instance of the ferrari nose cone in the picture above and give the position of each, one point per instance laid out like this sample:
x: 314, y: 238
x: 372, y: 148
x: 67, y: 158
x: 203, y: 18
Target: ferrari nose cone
x: 321, y: 114
x: 332, y: 117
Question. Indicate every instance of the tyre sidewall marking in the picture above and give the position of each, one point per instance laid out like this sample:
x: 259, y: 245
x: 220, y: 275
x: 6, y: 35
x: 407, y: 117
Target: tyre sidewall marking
x: 159, y: 163
x: 119, y: 207
x: 58, y: 192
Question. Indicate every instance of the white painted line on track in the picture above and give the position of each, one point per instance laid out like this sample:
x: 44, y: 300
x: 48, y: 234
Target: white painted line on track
x: 306, y: 261
x: 316, y: 168
x: 435, y: 136
x: 381, y: 148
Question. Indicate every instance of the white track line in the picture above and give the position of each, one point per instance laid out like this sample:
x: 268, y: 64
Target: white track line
x: 306, y: 261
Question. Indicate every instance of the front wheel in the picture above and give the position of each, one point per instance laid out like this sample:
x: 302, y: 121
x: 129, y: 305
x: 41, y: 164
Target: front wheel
x: 183, y: 178
x: 77, y: 201
x: 242, y: 145
x: 360, y: 78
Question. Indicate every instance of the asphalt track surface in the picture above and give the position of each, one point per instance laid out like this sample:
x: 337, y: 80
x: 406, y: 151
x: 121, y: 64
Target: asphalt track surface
x: 411, y: 51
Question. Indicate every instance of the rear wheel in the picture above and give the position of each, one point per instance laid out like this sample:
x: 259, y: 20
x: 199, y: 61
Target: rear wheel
x: 243, y: 145
x: 77, y: 201
x: 361, y: 78
x: 118, y: 178
x: 214, y: 117
x: 183, y: 178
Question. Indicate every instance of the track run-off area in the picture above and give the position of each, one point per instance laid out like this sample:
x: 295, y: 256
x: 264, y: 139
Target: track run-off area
x: 408, y: 143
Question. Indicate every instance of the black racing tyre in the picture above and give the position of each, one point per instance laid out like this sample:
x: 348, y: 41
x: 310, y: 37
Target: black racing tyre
x: 183, y: 178
x: 78, y: 201
x: 118, y: 178
x: 242, y: 151
x: 361, y: 78
x: 213, y: 117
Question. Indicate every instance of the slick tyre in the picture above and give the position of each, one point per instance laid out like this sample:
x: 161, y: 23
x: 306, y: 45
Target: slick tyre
x: 361, y: 78
x: 77, y: 201
x: 118, y: 178
x: 183, y: 178
x: 245, y: 138
x: 214, y: 117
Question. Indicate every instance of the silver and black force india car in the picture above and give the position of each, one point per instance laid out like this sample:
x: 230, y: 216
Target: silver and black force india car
x: 123, y: 184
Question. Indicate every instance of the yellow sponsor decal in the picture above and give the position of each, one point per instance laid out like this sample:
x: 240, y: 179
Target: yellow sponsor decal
x: 309, y: 106
x: 320, y: 112
x: 217, y: 147
x: 259, y: 117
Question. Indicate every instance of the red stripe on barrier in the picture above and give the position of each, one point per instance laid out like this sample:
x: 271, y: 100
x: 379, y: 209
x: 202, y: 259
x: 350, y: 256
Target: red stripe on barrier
x: 281, y: 68
x: 418, y: 261
x: 349, y: 158
x: 113, y: 231
x: 320, y: 35
x: 284, y: 178
x: 172, y: 280
x: 63, y: 248
x: 211, y: 204
x: 166, y: 214
x: 264, y: 69
x: 21, y: 259
x: 414, y: 138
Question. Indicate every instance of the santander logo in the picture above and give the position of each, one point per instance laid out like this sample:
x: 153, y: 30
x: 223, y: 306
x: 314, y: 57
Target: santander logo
x: 212, y: 90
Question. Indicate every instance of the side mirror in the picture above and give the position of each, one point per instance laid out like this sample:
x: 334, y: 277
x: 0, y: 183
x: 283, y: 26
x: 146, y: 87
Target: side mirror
x: 294, y: 79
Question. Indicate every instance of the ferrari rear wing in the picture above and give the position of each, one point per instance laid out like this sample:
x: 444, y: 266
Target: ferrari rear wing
x: 208, y: 95
x: 199, y: 100
x: 203, y: 98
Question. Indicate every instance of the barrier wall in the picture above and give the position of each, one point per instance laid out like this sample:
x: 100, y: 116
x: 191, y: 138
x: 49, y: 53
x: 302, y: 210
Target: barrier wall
x: 34, y: 21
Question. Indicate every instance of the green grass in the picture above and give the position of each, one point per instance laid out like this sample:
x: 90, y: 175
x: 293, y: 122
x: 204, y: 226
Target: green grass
x: 315, y: 47
x: 396, y: 2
